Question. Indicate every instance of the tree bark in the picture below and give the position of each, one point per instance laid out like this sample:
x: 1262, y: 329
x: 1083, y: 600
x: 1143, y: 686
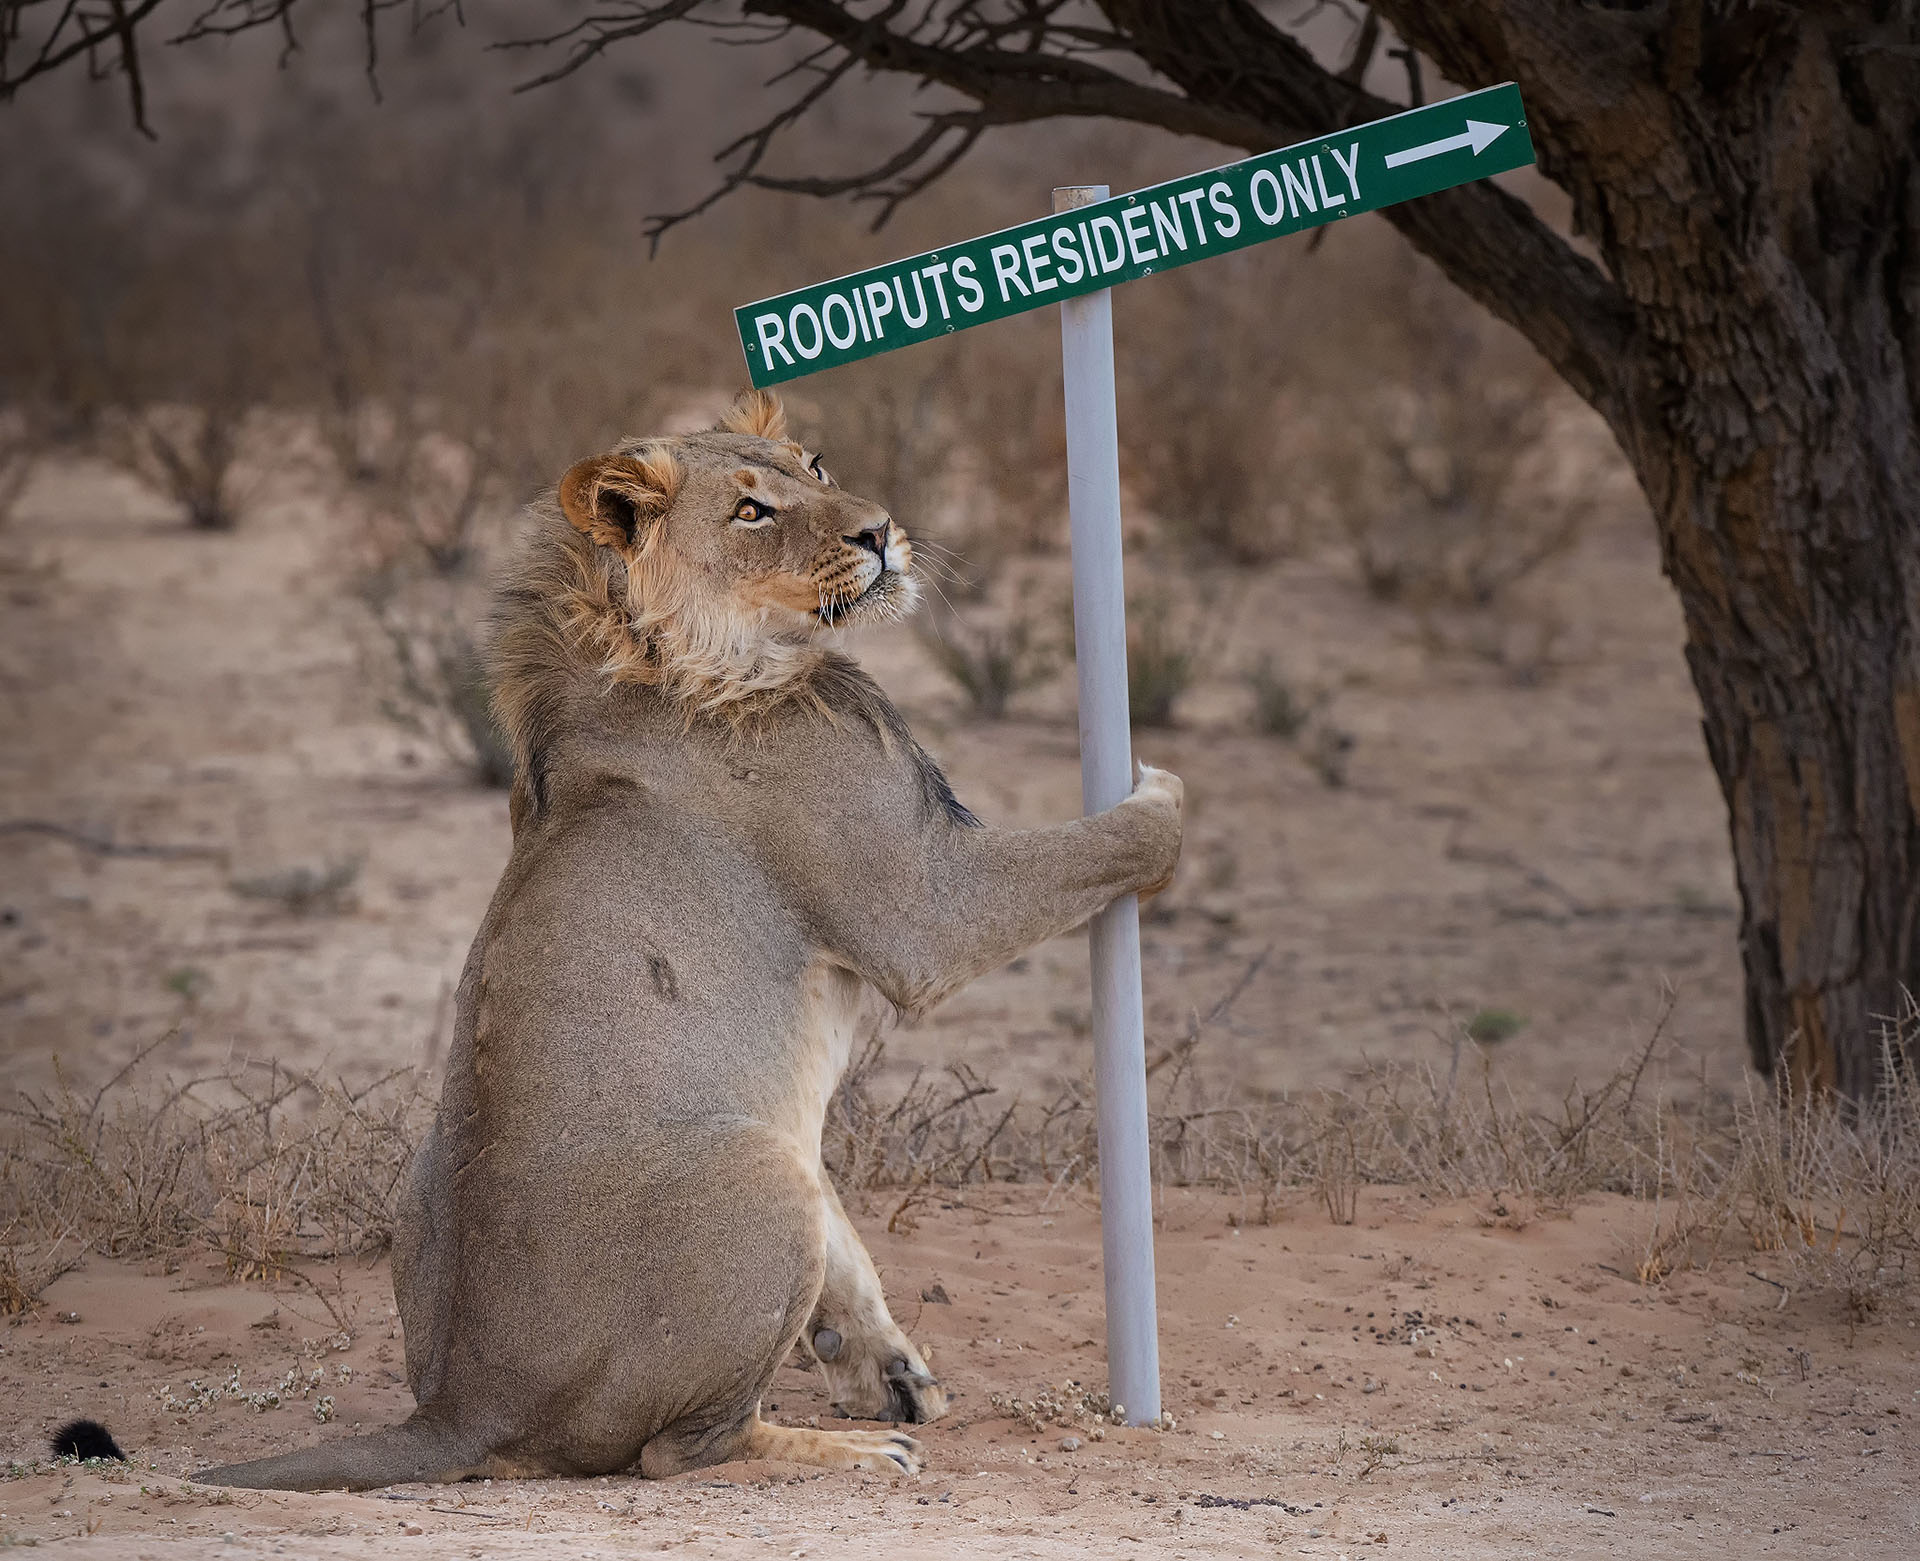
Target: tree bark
x: 1749, y: 175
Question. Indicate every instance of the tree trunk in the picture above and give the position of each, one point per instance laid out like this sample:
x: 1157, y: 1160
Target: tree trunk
x: 1803, y: 654
x: 1750, y: 178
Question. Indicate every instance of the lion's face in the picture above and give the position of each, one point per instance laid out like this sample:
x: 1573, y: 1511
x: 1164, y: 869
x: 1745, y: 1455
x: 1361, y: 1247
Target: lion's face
x: 740, y: 526
x: 765, y: 516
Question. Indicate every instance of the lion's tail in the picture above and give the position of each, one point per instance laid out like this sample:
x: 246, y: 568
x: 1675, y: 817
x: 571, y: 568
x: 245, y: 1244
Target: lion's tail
x: 422, y: 1449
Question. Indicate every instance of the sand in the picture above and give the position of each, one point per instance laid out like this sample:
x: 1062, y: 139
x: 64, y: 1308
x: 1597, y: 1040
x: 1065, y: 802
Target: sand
x: 1544, y: 838
x: 1428, y: 1381
x: 1547, y: 841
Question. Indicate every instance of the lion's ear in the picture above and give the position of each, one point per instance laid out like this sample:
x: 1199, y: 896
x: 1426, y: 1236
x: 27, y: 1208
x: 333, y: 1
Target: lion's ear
x: 756, y: 412
x: 615, y: 499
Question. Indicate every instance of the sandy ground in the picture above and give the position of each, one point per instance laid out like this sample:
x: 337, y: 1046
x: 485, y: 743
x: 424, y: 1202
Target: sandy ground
x: 1429, y: 1381
x: 1552, y: 846
x: 1557, y: 850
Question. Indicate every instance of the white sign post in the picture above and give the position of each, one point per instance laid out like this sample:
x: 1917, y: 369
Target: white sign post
x: 1106, y: 776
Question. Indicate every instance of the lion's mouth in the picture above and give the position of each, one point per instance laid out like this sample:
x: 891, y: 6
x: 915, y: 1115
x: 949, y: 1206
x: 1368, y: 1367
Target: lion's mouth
x: 879, y: 590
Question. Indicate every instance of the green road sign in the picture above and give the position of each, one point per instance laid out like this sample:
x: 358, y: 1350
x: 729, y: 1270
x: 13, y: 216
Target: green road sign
x: 1131, y: 236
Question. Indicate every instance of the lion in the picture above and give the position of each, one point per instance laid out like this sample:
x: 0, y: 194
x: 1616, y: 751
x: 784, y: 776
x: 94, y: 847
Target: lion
x: 619, y: 1224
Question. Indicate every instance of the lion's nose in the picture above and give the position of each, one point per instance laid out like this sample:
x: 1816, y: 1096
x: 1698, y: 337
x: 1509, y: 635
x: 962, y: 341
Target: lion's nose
x: 873, y: 538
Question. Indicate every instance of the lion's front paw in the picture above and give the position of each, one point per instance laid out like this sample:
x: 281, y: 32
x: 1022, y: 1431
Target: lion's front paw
x: 1162, y: 786
x: 1164, y: 792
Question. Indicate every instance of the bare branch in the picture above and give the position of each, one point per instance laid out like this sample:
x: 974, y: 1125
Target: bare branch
x: 594, y: 34
x: 75, y: 34
x: 1409, y: 56
x: 1224, y: 72
x: 1368, y: 39
x: 1488, y: 242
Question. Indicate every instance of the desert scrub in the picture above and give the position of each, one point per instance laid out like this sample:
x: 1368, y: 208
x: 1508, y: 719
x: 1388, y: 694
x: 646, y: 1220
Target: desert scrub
x: 261, y: 1166
x: 190, y: 454
x: 1328, y: 751
x: 1281, y: 707
x: 300, y: 890
x: 1201, y: 374
x: 431, y: 674
x: 1160, y: 662
x: 989, y: 661
x: 1490, y: 1026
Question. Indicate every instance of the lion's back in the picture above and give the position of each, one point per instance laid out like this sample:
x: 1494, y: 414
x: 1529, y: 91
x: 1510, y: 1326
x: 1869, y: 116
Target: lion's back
x: 635, y: 957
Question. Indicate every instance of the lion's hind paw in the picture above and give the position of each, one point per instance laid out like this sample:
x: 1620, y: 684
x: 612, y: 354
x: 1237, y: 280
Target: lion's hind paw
x: 878, y: 1452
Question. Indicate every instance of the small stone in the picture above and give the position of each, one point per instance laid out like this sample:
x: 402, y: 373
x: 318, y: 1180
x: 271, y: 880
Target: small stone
x: 1369, y: 1386
x: 413, y: 1528
x: 1218, y: 1436
x: 1070, y: 1444
x: 66, y: 1317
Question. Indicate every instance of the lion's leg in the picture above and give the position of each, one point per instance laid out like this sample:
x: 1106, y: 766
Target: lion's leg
x: 729, y: 1426
x: 695, y: 1445
x: 420, y: 1268
x: 873, y: 1371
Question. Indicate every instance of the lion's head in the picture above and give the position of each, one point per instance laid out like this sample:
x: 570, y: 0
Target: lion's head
x: 702, y: 564
x: 737, y: 547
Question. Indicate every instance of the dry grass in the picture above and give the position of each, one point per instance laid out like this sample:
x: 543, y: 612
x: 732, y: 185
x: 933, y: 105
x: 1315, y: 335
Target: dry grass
x: 1830, y: 1198
x: 266, y: 1168
x: 272, y: 1170
x: 1832, y: 1192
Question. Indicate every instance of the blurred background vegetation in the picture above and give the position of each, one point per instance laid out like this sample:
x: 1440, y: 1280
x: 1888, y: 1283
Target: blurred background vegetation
x: 427, y: 306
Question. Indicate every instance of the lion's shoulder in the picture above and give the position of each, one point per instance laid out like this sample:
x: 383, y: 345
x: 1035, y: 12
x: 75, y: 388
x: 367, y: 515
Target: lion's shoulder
x: 845, y: 690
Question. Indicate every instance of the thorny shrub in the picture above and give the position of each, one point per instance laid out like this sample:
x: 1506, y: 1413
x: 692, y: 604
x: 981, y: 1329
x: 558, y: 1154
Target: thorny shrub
x: 264, y: 1167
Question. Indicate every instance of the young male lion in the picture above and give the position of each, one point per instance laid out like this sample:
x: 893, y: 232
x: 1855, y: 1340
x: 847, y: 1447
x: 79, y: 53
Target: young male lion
x: 619, y: 1225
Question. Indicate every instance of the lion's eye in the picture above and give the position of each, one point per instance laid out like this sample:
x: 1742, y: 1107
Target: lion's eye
x: 819, y: 471
x: 751, y: 512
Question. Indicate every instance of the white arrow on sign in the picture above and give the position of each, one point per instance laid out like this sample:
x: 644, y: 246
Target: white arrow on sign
x: 1479, y: 135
